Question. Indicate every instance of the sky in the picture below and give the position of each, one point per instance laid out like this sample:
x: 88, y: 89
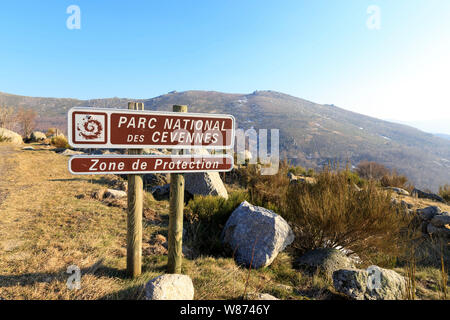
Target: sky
x: 387, y: 59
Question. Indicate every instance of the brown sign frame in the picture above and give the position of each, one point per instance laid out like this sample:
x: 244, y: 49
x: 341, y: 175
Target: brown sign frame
x: 127, y: 158
x: 111, y: 133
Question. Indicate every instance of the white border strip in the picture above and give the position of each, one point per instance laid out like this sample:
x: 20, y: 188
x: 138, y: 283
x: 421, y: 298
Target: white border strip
x: 148, y: 156
x: 110, y: 111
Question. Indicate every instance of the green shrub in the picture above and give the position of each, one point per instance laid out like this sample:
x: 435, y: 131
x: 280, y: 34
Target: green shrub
x: 206, y: 216
x: 310, y: 172
x: 297, y: 170
x: 353, y: 177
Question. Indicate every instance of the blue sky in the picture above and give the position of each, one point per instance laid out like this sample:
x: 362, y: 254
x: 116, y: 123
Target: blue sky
x: 317, y: 50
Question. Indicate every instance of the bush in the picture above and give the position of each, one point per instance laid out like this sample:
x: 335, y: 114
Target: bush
x: 298, y: 171
x: 50, y: 132
x: 371, y: 170
x: 353, y: 177
x: 444, y: 192
x: 395, y: 180
x: 386, y: 177
x: 60, y: 142
x: 332, y: 214
x: 206, y: 216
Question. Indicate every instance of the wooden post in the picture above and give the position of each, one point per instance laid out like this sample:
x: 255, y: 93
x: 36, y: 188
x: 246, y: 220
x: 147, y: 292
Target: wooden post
x: 176, y: 216
x: 134, y: 214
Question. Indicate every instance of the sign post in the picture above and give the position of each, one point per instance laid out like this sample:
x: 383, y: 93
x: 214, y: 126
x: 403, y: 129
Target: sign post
x: 134, y: 213
x: 175, y: 246
x: 134, y: 129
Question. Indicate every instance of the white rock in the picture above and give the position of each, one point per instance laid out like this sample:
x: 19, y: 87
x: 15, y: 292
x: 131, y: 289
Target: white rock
x: 381, y: 284
x: 256, y: 234
x: 205, y: 183
x: 170, y: 287
x: 10, y: 136
x: 69, y: 152
x: 37, y: 136
x: 112, y: 193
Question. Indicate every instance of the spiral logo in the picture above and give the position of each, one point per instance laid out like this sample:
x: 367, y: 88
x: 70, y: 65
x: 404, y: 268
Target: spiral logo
x: 89, y: 128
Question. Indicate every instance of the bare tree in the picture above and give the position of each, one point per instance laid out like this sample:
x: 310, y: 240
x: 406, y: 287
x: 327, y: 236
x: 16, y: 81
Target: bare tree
x: 27, y: 120
x: 7, y: 119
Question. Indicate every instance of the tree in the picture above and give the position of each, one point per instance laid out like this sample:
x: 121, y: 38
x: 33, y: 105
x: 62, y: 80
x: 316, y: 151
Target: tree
x: 27, y: 120
x: 7, y: 120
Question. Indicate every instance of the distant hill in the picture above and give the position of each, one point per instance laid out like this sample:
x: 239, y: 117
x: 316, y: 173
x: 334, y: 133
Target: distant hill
x: 443, y: 135
x: 311, y: 134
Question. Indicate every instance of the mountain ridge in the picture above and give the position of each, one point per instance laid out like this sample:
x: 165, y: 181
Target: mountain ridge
x: 311, y: 134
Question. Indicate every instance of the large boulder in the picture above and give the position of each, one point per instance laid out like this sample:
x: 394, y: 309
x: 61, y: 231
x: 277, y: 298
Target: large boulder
x: 170, y: 287
x: 256, y: 235
x: 152, y: 151
x: 380, y: 284
x: 70, y: 152
x: 37, y: 136
x: 398, y: 190
x: 115, y: 194
x: 10, y: 136
x: 205, y: 183
x: 440, y: 220
x: 161, y: 192
x: 426, y: 195
x: 428, y: 213
x: 325, y: 260
x: 156, y: 179
x: 443, y: 232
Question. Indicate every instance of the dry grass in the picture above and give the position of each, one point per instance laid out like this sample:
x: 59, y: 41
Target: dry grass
x: 50, y: 221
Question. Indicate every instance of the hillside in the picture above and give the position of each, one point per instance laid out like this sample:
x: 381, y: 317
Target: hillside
x: 443, y: 136
x: 310, y: 134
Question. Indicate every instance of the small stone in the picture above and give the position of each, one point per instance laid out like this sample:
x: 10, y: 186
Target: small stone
x: 170, y: 287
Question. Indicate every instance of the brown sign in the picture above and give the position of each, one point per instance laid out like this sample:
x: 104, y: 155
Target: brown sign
x: 142, y: 164
x: 116, y: 128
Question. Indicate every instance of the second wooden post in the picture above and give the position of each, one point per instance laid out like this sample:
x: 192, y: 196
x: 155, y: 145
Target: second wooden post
x: 134, y: 214
x: 176, y: 216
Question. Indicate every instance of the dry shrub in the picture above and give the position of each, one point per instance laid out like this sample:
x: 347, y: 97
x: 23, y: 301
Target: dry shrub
x: 51, y: 131
x: 269, y: 190
x: 60, y: 142
x: 332, y: 214
x: 393, y: 179
x: 371, y: 170
x: 386, y: 177
x: 444, y: 192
